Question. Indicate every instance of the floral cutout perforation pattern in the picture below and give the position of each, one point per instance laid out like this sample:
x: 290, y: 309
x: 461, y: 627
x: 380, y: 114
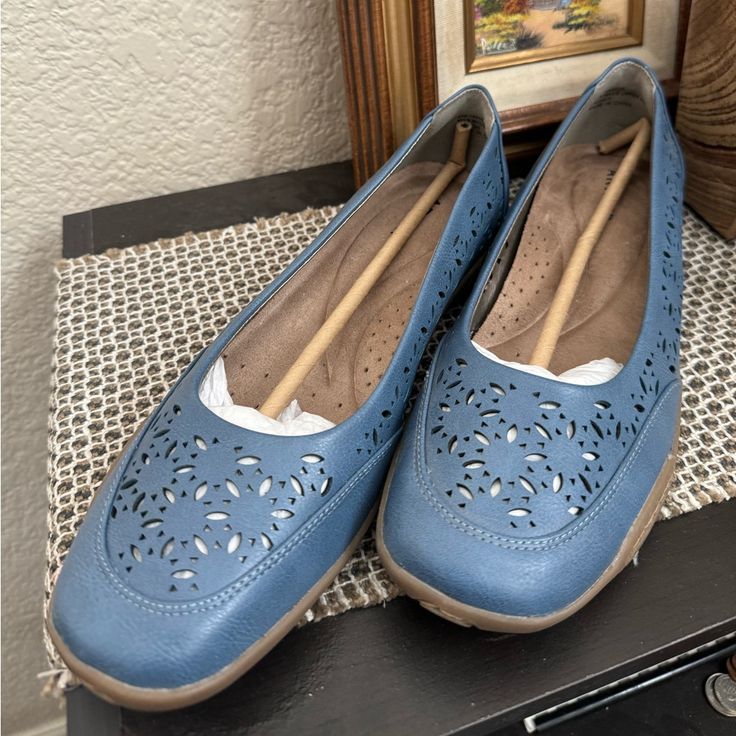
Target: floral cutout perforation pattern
x: 523, y: 463
x: 172, y: 519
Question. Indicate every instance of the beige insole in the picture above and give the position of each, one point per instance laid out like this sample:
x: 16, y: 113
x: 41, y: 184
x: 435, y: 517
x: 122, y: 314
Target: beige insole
x: 605, y: 316
x: 346, y: 375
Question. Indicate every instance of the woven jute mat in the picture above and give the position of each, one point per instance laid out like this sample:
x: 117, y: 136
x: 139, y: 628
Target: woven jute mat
x: 129, y: 321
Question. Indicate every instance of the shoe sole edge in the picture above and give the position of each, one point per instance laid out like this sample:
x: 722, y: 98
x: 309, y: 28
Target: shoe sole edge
x: 466, y: 615
x: 162, y: 699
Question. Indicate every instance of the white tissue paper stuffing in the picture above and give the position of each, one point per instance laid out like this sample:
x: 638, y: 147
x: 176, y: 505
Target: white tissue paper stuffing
x: 589, y: 374
x: 292, y: 421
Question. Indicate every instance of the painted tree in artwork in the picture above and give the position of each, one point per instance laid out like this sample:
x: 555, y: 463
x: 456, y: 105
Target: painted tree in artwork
x: 585, y: 15
x: 499, y: 26
x: 516, y: 7
x: 486, y: 7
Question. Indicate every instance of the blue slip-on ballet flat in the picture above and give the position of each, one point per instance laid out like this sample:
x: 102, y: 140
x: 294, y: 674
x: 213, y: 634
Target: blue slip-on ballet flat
x: 208, y: 541
x: 517, y: 494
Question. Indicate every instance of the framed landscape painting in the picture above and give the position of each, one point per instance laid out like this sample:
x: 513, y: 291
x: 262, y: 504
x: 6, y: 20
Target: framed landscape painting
x: 502, y: 33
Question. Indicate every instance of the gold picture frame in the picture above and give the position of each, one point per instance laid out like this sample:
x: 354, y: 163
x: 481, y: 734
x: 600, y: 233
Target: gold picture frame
x: 632, y: 35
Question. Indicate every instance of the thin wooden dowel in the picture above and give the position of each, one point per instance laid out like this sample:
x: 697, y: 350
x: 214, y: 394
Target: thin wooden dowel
x: 554, y: 321
x: 287, y: 387
x: 620, y: 139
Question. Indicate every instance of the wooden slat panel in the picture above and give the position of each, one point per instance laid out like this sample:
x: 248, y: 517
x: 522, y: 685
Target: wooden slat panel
x: 706, y: 116
x: 366, y: 81
x: 425, y: 55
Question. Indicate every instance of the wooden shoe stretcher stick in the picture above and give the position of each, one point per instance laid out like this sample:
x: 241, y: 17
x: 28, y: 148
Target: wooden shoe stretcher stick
x: 287, y: 387
x: 639, y: 133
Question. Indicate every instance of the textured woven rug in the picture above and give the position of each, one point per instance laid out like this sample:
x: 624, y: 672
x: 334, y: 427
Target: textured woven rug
x: 129, y: 321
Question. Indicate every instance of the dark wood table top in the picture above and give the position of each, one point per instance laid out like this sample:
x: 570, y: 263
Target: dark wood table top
x: 398, y: 669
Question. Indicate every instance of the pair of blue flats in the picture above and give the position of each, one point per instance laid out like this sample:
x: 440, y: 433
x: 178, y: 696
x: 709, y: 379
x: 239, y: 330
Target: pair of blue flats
x: 511, y: 497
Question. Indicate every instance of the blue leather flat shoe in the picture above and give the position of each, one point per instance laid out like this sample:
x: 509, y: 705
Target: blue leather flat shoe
x: 515, y: 497
x: 207, y: 542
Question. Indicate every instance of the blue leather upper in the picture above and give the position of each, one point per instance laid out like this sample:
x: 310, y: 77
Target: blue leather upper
x: 513, y: 492
x: 205, y: 534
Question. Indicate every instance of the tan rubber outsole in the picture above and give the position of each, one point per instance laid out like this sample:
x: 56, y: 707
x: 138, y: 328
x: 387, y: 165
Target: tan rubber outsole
x: 465, y: 615
x: 155, y: 699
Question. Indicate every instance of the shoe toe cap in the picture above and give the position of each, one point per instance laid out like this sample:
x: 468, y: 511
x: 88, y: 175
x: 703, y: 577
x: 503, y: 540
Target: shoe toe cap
x: 138, y: 642
x: 461, y: 562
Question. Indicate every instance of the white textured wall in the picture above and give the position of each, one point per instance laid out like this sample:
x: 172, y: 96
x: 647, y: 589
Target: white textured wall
x: 107, y: 101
